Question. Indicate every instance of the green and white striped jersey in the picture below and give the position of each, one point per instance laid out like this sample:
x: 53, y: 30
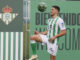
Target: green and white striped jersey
x: 54, y: 25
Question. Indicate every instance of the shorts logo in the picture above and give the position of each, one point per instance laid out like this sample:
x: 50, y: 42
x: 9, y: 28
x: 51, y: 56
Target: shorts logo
x: 7, y: 16
x: 51, y: 50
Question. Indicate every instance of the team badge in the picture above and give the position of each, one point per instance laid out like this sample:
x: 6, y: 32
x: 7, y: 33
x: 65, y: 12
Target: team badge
x: 62, y: 24
x: 7, y: 16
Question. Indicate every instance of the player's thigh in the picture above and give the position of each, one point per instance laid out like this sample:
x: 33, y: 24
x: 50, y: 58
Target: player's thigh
x: 52, y: 57
x: 36, y: 38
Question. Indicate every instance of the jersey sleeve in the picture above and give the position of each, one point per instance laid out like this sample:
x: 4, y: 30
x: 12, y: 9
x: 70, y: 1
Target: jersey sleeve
x: 61, y: 25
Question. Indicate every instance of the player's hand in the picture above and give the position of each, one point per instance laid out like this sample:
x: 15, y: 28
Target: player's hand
x: 52, y: 38
x: 36, y: 32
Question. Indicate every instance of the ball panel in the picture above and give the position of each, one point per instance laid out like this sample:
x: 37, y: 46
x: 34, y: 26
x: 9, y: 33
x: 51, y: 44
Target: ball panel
x: 42, y: 7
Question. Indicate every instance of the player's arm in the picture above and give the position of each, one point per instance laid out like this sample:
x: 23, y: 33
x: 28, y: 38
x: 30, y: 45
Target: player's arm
x: 63, y: 32
x: 62, y: 28
x: 44, y: 33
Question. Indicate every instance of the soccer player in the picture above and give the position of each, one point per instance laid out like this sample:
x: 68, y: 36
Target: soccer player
x: 49, y: 37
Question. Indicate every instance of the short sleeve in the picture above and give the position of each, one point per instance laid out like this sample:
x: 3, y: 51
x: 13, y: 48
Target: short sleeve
x: 61, y: 25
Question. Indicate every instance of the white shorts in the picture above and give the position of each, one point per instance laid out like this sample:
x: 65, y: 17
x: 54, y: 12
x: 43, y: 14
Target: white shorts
x: 51, y: 48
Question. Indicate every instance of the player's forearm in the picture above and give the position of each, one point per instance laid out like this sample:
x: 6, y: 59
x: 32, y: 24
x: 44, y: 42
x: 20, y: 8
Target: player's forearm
x: 61, y: 34
x: 44, y: 33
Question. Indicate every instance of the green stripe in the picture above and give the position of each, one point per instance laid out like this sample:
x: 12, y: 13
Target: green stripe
x: 48, y: 26
x: 19, y: 45
x: 54, y: 32
x: 9, y: 45
x: 54, y: 29
x: 50, y: 30
x: 14, y: 45
x: 4, y: 44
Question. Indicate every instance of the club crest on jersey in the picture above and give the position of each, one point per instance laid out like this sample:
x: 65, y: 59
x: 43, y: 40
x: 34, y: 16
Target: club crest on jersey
x: 62, y: 24
x: 7, y: 16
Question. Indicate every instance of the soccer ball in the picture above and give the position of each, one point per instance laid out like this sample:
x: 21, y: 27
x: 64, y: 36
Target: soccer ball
x: 42, y: 7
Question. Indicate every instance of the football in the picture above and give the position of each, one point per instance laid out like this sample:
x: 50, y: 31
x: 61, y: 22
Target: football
x: 42, y: 6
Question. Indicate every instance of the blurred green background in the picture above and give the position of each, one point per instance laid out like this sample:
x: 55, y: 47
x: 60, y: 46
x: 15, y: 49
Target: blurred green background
x: 66, y: 7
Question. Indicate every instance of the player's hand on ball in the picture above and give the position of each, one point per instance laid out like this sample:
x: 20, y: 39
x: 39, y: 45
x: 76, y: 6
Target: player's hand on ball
x: 36, y: 32
x: 52, y: 38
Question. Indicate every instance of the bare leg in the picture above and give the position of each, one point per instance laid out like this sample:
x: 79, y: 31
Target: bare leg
x: 52, y: 57
x: 36, y: 38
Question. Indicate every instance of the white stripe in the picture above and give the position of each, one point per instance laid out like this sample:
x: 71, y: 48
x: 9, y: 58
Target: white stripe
x: 21, y: 55
x: 52, y: 29
x: 56, y: 27
x: 6, y: 51
x: 1, y: 46
x: 56, y: 32
x: 11, y: 46
x: 50, y: 22
x: 49, y: 28
x: 16, y: 53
